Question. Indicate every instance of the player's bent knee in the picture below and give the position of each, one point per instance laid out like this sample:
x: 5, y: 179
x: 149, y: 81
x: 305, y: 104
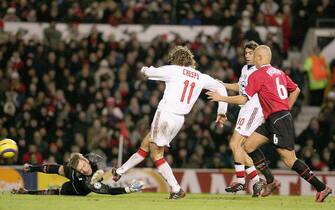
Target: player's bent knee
x: 233, y: 145
x: 145, y: 146
x: 288, y: 157
x: 156, y: 152
x: 288, y: 162
x: 145, y: 143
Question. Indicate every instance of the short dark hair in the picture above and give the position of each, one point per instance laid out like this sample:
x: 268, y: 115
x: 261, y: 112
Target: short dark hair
x: 74, y: 159
x: 251, y: 45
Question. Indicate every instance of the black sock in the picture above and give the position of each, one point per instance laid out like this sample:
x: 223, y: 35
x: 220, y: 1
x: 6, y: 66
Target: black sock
x: 44, y: 192
x: 45, y: 168
x: 261, y: 164
x: 303, y: 170
x: 117, y: 190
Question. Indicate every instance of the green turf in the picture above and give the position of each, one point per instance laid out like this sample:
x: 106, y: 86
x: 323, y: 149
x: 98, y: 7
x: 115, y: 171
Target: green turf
x: 153, y: 201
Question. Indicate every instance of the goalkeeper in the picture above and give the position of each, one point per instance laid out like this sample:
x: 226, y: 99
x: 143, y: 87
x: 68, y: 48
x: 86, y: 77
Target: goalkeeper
x: 85, y: 174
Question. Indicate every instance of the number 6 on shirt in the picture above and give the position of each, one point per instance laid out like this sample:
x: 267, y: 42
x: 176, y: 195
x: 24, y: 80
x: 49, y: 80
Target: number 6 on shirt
x: 185, y: 89
x: 282, y: 92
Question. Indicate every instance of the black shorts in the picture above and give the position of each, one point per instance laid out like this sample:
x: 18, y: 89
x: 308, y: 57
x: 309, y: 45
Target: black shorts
x: 68, y: 188
x: 279, y: 129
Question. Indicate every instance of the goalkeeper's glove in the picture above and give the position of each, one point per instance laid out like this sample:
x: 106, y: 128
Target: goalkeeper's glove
x: 136, y: 186
x: 97, y: 176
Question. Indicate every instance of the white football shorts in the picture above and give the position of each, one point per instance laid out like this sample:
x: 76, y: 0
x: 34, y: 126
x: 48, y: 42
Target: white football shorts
x: 165, y: 126
x: 249, y: 117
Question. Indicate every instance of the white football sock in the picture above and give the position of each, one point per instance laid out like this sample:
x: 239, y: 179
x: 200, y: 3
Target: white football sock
x: 165, y: 170
x: 252, y: 173
x: 239, y: 170
x: 135, y: 159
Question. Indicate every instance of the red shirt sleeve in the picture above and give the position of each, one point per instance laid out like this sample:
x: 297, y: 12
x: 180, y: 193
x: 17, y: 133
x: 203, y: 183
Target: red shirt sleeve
x: 291, y: 86
x: 253, y: 86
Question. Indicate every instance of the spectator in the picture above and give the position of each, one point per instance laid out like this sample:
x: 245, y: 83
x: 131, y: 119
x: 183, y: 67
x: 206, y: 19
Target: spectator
x: 4, y: 36
x: 252, y: 34
x: 189, y: 13
x: 332, y: 71
x: 269, y: 7
x: 301, y: 21
x: 11, y: 16
x: 314, y: 132
x: 318, y: 72
x: 236, y: 34
x: 52, y: 36
x: 190, y: 19
x: 32, y: 156
x: 43, y: 13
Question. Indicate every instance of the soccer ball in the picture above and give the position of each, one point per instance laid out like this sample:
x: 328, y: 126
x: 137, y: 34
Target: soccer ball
x: 8, y: 148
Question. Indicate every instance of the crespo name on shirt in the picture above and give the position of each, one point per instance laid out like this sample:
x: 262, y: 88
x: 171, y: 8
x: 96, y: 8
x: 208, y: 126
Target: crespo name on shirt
x: 191, y: 74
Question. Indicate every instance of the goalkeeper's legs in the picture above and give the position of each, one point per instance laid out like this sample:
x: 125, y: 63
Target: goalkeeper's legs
x: 36, y: 192
x: 135, y: 159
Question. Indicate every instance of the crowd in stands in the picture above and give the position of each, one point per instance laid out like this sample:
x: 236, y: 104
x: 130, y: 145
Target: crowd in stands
x: 288, y: 14
x: 82, y: 93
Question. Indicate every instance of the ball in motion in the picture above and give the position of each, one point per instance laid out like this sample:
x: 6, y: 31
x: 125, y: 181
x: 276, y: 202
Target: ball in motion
x: 8, y: 148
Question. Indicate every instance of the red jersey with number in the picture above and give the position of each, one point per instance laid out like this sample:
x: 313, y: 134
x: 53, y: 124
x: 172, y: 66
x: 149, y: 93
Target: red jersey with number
x: 183, y: 86
x: 272, y: 86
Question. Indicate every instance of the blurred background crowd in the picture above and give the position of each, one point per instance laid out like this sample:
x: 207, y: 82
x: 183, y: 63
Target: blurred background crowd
x: 82, y: 93
x: 288, y: 14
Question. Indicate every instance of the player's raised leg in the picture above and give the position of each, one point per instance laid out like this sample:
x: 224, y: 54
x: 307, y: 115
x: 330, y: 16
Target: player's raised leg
x: 135, y: 159
x: 291, y: 161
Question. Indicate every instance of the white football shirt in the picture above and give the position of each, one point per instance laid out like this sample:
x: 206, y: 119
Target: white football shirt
x: 243, y: 80
x: 183, y: 86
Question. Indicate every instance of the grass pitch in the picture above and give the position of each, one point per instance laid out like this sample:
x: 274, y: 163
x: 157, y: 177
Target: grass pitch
x: 159, y: 201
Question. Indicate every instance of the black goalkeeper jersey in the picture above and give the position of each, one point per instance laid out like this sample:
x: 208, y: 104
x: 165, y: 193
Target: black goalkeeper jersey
x: 81, y: 182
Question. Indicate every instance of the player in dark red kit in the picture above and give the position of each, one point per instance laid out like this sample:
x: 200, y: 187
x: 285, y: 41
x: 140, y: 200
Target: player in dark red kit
x: 272, y: 86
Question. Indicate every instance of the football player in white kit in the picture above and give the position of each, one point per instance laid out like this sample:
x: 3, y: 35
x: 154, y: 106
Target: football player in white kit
x: 183, y: 87
x: 249, y: 118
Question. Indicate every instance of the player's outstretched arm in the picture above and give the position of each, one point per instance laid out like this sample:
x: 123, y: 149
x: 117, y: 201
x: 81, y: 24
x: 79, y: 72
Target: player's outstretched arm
x: 161, y: 73
x: 231, y: 86
x: 44, y: 168
x: 216, y: 85
x: 214, y: 96
x: 102, y: 188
